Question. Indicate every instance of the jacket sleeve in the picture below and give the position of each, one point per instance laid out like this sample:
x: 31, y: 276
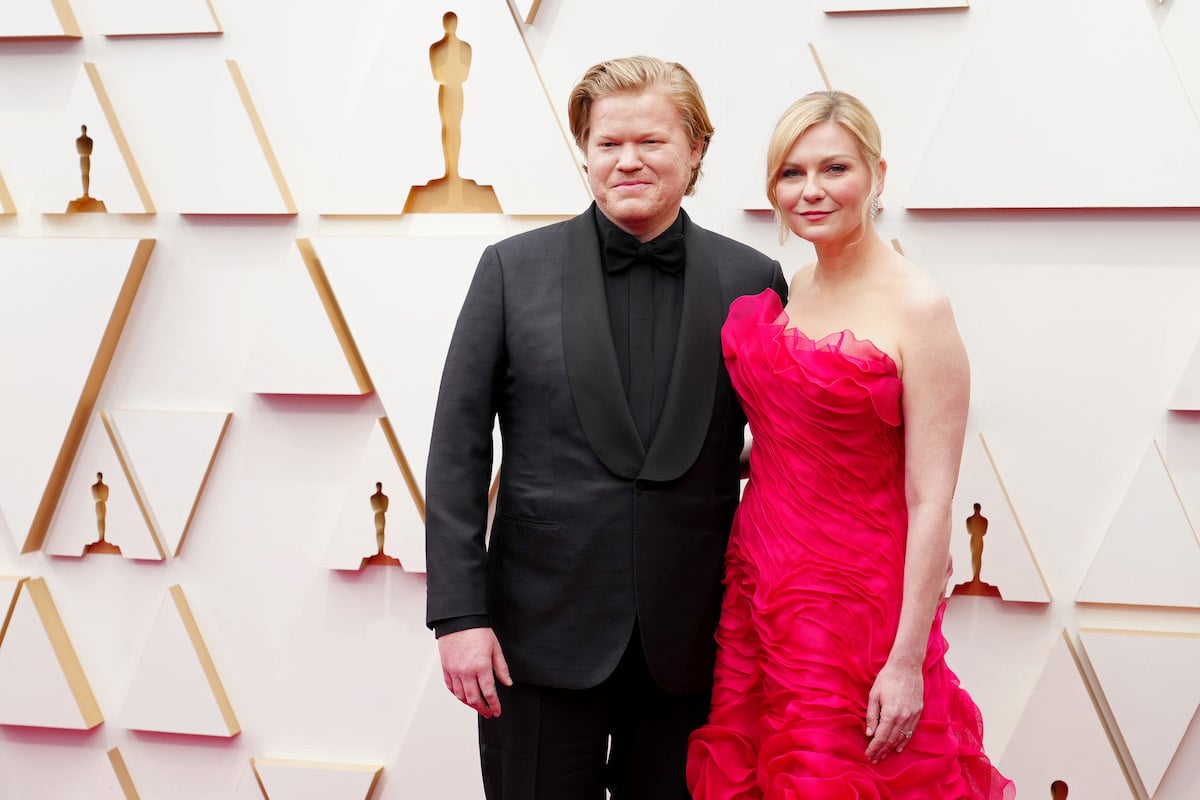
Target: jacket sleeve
x: 460, y: 453
x: 779, y: 283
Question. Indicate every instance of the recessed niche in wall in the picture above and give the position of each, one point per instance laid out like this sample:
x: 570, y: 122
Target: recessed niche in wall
x: 1149, y: 681
x: 1178, y: 32
x: 168, y: 456
x: 87, y: 163
x: 38, y: 19
x: 175, y: 687
x: 286, y: 779
x: 754, y: 119
x: 851, y: 6
x: 992, y: 555
x: 382, y: 522
x: 387, y: 148
x: 1061, y: 736
x: 1187, y: 393
x: 42, y: 683
x: 156, y: 18
x: 303, y: 344
x: 452, y: 193
x: 202, y: 144
x: 63, y: 303
x: 1016, y: 86
x: 1150, y: 555
x: 98, y: 513
x: 421, y: 280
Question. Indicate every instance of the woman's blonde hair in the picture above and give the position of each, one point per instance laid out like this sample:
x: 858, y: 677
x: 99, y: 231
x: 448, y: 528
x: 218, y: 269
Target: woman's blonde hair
x: 813, y: 109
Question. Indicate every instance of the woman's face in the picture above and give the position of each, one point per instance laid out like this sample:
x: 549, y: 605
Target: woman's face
x: 824, y: 184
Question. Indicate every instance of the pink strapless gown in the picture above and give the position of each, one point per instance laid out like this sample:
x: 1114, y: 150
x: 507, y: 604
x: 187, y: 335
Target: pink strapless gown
x: 813, y: 587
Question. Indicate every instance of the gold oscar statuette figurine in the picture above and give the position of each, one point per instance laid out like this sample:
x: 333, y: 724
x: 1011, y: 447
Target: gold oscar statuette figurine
x: 100, y: 498
x: 450, y: 60
x: 85, y: 202
x: 977, y: 525
x: 379, y: 507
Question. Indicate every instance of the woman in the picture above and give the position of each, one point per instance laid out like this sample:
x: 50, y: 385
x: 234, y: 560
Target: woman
x: 830, y: 678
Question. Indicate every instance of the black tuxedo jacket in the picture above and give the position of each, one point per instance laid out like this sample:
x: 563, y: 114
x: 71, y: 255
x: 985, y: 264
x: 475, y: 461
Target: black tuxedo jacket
x: 591, y: 531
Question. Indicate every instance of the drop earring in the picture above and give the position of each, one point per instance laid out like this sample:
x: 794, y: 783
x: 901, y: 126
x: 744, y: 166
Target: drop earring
x: 874, y: 206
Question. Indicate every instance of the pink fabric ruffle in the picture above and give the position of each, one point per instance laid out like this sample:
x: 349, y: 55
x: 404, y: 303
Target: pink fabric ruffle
x: 813, y: 586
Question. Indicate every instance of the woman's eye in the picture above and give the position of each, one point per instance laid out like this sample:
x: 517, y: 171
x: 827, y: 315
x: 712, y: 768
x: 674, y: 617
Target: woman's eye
x: 789, y: 172
x: 836, y: 168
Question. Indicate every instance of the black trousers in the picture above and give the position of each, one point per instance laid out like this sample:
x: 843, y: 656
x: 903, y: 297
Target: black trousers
x: 626, y: 735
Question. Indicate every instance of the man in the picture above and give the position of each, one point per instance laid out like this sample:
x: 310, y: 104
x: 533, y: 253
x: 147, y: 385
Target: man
x: 588, y: 619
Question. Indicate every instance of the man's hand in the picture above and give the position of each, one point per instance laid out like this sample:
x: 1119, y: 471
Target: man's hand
x: 471, y: 664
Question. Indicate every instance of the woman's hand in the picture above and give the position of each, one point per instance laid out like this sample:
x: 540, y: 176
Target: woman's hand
x: 893, y: 709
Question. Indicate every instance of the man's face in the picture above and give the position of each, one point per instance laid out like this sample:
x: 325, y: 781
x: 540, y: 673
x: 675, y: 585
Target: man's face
x: 639, y: 161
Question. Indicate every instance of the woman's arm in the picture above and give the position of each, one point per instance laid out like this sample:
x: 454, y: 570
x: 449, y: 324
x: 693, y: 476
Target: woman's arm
x: 936, y: 396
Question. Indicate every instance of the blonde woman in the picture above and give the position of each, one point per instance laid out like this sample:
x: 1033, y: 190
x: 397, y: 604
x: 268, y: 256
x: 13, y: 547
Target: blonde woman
x: 830, y: 676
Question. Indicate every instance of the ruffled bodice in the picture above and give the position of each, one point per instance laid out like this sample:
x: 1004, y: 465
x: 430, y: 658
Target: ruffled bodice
x: 814, y: 583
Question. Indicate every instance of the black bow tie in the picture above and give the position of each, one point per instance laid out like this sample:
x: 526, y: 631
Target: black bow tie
x: 622, y: 251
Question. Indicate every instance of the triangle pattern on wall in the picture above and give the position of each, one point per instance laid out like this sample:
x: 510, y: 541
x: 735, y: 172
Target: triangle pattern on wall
x: 421, y: 280
x: 853, y: 6
x: 387, y: 148
x: 1008, y: 563
x: 114, y: 176
x: 6, y: 202
x: 38, y: 19
x: 10, y: 588
x: 1187, y: 394
x: 304, y: 346
x: 1015, y: 86
x: 383, y: 493
x: 248, y: 787
x: 284, y: 779
x: 527, y: 10
x: 42, y: 683
x: 1061, y: 735
x: 98, y: 490
x: 49, y: 287
x: 1149, y: 681
x: 168, y: 456
x: 118, y: 783
x: 756, y: 119
x: 1150, y: 555
x: 175, y: 687
x: 1179, y: 35
x: 155, y: 18
x: 219, y: 159
x: 432, y: 759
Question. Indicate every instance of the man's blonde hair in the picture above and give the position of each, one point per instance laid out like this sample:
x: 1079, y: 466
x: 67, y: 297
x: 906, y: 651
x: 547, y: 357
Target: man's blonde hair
x: 635, y: 75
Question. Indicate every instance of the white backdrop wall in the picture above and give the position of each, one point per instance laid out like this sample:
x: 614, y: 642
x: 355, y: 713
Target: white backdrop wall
x: 1022, y: 173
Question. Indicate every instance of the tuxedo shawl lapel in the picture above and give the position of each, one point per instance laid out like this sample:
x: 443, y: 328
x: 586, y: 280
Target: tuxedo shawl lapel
x: 594, y: 375
x: 592, y: 370
x: 688, y: 409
